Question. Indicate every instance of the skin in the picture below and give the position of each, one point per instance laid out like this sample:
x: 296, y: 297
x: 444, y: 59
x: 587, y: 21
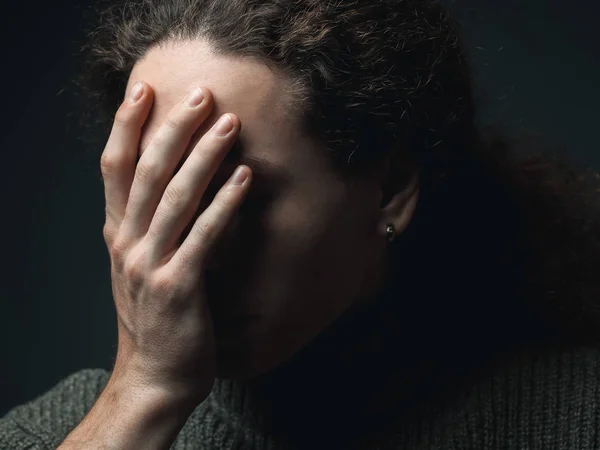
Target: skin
x: 310, y: 242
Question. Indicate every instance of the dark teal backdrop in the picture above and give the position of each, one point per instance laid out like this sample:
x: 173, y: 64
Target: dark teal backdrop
x: 537, y: 65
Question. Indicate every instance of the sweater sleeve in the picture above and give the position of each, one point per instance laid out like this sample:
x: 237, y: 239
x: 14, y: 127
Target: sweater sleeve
x: 43, y: 423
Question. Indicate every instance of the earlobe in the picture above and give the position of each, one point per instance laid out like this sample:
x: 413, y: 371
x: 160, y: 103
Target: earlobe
x: 401, y: 206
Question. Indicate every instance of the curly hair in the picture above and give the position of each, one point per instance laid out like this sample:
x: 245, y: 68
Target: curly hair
x: 372, y: 78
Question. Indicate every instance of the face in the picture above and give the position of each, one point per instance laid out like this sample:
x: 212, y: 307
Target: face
x: 307, y: 243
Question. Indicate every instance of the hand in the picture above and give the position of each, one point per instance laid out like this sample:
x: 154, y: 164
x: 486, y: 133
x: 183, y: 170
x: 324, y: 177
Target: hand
x: 166, y: 340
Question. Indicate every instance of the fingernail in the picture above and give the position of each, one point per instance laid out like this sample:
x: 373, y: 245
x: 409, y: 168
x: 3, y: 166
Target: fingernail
x: 136, y: 91
x: 240, y: 175
x: 195, y: 97
x: 224, y: 125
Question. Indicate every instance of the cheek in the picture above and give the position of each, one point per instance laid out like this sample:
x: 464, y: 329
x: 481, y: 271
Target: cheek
x: 298, y: 225
x: 279, y: 239
x: 333, y: 252
x: 308, y: 243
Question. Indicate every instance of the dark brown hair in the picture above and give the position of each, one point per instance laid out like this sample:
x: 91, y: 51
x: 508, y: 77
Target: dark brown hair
x: 373, y: 77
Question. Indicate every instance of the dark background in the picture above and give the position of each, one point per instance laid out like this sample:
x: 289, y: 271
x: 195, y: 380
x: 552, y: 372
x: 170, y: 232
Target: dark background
x: 537, y: 64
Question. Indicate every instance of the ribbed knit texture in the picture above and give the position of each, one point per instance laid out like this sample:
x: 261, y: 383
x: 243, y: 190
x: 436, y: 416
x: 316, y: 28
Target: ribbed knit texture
x: 442, y: 361
x: 547, y: 400
x: 477, y: 371
x: 386, y: 375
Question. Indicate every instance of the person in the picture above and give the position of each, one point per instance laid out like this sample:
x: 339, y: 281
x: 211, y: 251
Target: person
x: 383, y: 274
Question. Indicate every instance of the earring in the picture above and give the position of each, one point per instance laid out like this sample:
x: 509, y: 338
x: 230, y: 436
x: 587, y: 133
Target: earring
x: 390, y: 233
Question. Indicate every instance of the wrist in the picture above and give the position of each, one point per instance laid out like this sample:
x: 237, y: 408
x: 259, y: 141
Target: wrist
x: 131, y: 374
x: 128, y: 415
x: 156, y: 400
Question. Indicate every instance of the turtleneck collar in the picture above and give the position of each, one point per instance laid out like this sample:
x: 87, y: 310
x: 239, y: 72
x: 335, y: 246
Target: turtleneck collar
x: 368, y: 368
x: 332, y: 387
x: 430, y: 327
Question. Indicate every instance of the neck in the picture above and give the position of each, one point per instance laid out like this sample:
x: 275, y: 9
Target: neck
x: 433, y: 326
x: 357, y: 376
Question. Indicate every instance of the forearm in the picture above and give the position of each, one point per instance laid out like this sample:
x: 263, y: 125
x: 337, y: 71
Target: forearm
x: 125, y: 417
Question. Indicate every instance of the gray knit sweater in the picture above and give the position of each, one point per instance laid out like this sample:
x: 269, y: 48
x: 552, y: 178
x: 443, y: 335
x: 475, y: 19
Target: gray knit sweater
x: 463, y: 374
x: 537, y: 400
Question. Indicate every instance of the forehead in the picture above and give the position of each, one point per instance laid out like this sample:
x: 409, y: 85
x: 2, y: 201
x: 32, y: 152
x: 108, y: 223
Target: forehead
x: 245, y: 87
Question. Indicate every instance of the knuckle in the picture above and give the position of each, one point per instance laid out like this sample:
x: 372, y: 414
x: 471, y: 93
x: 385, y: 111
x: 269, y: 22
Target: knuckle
x: 204, y: 230
x: 119, y: 249
x: 173, y: 121
x: 175, y: 197
x: 163, y: 283
x: 108, y: 164
x: 146, y: 172
x: 134, y: 268
x: 109, y: 234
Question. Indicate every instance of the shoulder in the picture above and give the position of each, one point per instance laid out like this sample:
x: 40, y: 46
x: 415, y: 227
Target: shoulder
x: 537, y: 399
x: 570, y: 373
x: 44, y: 422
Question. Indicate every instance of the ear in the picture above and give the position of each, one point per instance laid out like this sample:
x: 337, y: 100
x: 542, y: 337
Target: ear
x: 399, y: 190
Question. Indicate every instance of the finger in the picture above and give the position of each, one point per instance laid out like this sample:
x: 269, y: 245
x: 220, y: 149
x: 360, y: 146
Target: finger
x: 185, y: 191
x: 210, y: 225
x: 119, y: 157
x: 158, y: 162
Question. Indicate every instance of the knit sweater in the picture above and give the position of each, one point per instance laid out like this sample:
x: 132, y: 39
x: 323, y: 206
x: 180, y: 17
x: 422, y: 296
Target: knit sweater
x: 475, y: 370
x: 547, y: 401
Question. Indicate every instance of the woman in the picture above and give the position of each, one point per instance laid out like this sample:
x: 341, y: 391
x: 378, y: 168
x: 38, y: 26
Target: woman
x: 383, y: 275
